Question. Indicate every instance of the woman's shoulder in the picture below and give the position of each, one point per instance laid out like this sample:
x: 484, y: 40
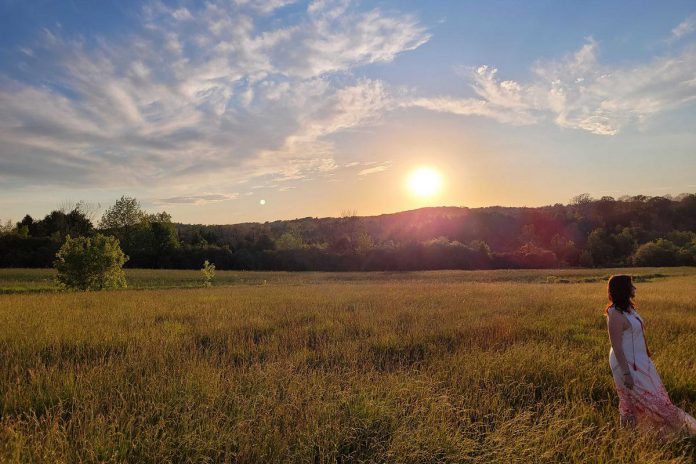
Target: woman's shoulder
x: 613, y: 312
x: 635, y: 313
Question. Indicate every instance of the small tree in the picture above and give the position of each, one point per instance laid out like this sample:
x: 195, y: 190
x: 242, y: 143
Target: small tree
x: 95, y: 263
x: 208, y: 271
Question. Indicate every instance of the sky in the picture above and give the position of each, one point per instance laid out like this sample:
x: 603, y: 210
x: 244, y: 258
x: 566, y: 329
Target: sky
x: 233, y: 111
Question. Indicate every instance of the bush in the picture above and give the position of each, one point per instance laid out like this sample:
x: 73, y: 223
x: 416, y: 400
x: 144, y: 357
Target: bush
x: 661, y: 252
x: 95, y: 263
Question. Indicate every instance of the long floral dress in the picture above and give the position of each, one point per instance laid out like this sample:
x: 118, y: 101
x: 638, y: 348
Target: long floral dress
x: 648, y: 402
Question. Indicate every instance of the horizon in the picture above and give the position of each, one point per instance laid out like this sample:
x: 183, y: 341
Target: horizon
x: 253, y: 111
x: 95, y: 214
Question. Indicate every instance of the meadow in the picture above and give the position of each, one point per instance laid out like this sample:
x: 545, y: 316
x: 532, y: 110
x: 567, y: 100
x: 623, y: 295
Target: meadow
x: 413, y: 367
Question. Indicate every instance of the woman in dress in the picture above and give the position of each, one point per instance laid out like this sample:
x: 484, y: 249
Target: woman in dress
x: 643, y: 400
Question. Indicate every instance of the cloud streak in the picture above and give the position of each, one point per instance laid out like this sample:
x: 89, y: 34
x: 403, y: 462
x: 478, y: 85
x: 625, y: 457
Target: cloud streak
x: 375, y: 169
x: 198, y: 199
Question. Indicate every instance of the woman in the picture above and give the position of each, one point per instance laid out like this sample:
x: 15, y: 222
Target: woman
x: 643, y: 400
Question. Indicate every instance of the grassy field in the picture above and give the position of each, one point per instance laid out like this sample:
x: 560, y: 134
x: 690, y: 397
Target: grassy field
x: 452, y: 366
x: 43, y: 280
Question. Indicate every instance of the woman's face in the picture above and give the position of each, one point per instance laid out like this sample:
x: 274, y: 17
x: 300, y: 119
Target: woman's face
x: 633, y: 291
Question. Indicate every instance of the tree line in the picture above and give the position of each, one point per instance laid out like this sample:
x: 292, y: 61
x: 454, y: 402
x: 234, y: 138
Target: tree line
x: 587, y: 232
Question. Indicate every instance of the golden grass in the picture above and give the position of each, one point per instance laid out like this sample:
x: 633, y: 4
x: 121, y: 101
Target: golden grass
x: 490, y: 366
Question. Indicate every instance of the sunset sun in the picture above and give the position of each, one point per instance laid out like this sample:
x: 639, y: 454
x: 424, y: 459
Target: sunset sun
x: 425, y: 182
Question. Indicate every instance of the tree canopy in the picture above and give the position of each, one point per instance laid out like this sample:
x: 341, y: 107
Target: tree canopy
x: 586, y: 232
x: 126, y: 212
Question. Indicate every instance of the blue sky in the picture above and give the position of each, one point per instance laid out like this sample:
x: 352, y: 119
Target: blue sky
x: 316, y: 107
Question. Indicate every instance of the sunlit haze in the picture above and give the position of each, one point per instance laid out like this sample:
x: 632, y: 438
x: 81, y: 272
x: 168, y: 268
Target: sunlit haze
x: 233, y: 111
x: 425, y: 182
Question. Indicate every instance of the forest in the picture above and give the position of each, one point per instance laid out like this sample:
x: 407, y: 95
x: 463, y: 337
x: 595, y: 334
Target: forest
x: 586, y: 232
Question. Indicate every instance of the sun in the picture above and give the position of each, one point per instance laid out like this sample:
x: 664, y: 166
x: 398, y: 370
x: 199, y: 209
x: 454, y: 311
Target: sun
x: 425, y: 182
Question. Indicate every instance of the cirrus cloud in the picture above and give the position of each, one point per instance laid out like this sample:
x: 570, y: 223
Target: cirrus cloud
x: 578, y: 92
x: 197, y: 95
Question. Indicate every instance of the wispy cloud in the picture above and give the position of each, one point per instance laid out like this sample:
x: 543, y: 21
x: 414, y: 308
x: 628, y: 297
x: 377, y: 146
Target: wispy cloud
x: 684, y: 28
x: 264, y: 6
x: 578, y: 92
x: 202, y: 93
x: 197, y: 199
x: 375, y: 169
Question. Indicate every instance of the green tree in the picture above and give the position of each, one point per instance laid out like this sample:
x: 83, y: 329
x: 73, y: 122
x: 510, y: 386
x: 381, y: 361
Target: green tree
x: 149, y: 239
x: 264, y: 242
x: 686, y: 256
x: 25, y: 225
x: 290, y: 240
x: 124, y: 220
x: 164, y: 237
x: 661, y: 252
x: 126, y: 212
x: 158, y: 238
x: 681, y: 238
x: 624, y: 245
x: 91, y: 263
x: 599, y: 247
x: 58, y: 224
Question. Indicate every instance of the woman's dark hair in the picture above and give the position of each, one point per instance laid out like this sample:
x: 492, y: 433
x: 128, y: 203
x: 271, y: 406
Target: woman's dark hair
x: 619, y: 289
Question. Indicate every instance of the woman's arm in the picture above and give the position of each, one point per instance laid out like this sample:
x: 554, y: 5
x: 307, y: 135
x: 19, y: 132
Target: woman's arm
x: 615, y: 323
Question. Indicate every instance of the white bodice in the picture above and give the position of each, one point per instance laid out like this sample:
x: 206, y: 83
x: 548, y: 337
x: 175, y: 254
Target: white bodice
x: 632, y: 341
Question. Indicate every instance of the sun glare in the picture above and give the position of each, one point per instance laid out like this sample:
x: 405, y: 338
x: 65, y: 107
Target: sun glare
x: 425, y: 182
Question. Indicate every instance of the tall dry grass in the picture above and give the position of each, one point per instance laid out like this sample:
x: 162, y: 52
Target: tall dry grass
x: 411, y: 367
